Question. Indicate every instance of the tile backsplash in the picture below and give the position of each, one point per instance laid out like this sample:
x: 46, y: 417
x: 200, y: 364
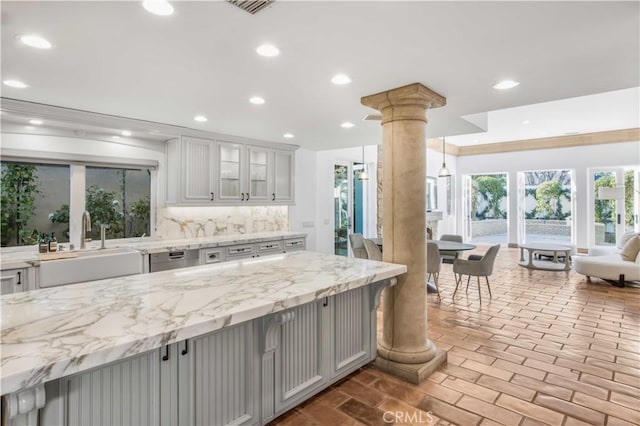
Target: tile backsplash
x: 193, y: 222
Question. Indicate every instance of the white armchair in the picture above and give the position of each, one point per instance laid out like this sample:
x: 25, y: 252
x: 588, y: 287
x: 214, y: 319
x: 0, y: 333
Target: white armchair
x: 607, y: 264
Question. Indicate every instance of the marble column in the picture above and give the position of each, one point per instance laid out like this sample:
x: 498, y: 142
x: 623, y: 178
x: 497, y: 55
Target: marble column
x: 404, y: 349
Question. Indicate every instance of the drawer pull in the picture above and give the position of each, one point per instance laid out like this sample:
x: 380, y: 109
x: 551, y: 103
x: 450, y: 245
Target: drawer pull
x: 166, y: 353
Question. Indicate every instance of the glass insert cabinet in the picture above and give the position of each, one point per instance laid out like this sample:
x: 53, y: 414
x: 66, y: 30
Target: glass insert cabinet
x: 208, y: 172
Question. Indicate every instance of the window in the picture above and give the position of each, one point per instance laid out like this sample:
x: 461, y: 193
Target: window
x: 35, y: 200
x: 487, y: 206
x: 547, y: 209
x: 119, y: 198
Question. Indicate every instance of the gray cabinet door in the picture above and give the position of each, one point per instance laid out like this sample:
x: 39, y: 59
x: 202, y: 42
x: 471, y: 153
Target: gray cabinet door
x: 123, y: 393
x: 198, y: 170
x: 219, y: 378
x: 13, y: 281
x: 301, y: 357
x: 351, y: 330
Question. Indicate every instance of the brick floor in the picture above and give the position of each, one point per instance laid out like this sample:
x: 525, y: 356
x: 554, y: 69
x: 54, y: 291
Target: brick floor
x: 546, y: 349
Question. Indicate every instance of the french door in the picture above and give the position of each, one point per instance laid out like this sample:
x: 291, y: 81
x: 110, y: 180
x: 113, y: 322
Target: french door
x: 349, y: 204
x: 615, y: 205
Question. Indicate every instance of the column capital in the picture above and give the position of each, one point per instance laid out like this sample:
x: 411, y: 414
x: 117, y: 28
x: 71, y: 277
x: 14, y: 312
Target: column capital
x: 416, y: 94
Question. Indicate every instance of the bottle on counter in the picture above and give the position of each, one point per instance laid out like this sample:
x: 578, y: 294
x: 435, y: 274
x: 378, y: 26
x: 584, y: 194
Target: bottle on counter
x: 43, y: 247
x: 53, y: 243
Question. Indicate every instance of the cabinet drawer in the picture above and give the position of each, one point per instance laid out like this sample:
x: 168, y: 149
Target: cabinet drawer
x: 237, y: 251
x: 211, y: 256
x: 270, y: 246
x: 294, y: 244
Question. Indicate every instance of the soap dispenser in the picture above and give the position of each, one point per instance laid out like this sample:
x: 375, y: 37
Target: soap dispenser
x: 53, y: 243
x: 42, y: 244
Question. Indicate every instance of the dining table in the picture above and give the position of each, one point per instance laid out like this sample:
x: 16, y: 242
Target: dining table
x: 443, y: 245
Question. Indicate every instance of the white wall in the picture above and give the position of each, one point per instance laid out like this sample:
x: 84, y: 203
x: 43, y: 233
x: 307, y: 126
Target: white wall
x: 580, y: 159
x: 314, y: 194
x: 302, y: 216
x: 434, y: 162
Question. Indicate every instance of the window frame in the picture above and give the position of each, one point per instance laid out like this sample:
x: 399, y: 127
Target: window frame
x: 77, y: 184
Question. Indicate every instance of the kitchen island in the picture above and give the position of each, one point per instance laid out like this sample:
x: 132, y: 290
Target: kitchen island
x: 233, y: 343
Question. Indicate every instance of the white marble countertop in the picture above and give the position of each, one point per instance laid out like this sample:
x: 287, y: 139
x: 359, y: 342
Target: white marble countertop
x: 51, y: 333
x: 24, y: 257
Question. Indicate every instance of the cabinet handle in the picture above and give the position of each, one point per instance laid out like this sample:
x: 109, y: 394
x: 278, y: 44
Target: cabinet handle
x: 186, y: 347
x: 166, y: 353
x: 325, y: 303
x: 242, y: 199
x: 273, y: 197
x: 247, y: 196
x: 212, y: 196
x: 19, y: 278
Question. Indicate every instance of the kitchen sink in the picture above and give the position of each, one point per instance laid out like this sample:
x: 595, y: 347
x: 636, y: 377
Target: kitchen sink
x: 90, y: 265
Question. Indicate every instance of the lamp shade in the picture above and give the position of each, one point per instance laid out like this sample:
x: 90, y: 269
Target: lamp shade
x: 444, y: 171
x: 611, y: 193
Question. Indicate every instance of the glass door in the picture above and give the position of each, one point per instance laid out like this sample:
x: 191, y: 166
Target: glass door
x: 616, y: 206
x: 229, y: 156
x: 343, y: 207
x: 489, y: 205
x: 546, y: 206
x: 258, y: 173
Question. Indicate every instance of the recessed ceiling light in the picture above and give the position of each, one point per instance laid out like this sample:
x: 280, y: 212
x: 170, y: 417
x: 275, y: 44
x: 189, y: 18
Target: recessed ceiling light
x: 526, y: 122
x: 116, y: 137
x: 158, y: 7
x: 341, y: 79
x: 288, y: 135
x: 126, y: 133
x: 506, y: 84
x: 15, y: 83
x: 347, y: 125
x: 29, y: 127
x: 35, y: 41
x: 268, y: 50
x: 35, y: 122
x: 256, y: 100
x: 200, y: 118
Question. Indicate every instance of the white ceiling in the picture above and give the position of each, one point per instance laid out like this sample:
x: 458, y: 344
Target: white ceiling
x: 619, y: 109
x: 116, y: 58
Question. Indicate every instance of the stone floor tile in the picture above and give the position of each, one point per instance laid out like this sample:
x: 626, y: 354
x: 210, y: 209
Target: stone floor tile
x: 363, y: 413
x: 528, y: 409
x: 493, y: 412
x: 577, y: 411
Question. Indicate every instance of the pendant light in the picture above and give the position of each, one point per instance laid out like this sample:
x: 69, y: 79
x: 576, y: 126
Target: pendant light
x: 444, y: 171
x: 363, y: 174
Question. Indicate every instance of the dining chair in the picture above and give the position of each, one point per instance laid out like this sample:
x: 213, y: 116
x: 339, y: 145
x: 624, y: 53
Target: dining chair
x: 373, y: 251
x: 448, y: 256
x: 357, y: 246
x: 433, y: 265
x: 476, y: 268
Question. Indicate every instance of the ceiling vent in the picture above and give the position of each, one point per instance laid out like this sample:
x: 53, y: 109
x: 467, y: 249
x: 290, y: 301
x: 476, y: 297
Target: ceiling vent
x: 252, y: 7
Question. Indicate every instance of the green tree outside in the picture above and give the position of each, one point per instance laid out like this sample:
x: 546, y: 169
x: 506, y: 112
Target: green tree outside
x: 19, y: 191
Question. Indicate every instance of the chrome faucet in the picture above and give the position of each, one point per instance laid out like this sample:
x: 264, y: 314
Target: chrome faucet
x: 86, y: 226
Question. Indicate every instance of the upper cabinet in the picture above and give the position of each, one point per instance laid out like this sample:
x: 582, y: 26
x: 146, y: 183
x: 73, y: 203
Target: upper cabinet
x: 208, y: 172
x: 283, y: 176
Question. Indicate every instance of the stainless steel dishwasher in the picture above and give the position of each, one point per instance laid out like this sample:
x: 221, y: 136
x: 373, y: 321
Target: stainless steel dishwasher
x: 174, y: 260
